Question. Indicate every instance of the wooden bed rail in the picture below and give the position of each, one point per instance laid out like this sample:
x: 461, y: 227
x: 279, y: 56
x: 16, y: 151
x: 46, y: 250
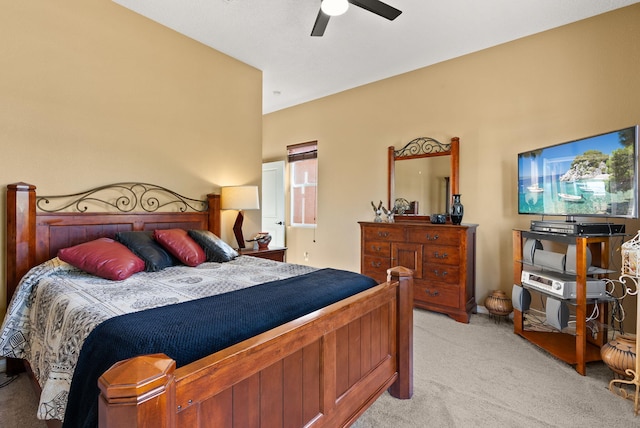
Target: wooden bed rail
x: 299, y: 366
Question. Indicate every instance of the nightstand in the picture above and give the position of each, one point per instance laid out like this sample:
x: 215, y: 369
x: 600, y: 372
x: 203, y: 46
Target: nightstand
x: 272, y: 253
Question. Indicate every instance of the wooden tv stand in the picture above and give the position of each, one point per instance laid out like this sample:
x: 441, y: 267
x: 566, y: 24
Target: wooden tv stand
x: 580, y: 348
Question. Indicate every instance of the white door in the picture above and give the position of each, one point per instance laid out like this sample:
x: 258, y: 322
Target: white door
x: 273, y: 201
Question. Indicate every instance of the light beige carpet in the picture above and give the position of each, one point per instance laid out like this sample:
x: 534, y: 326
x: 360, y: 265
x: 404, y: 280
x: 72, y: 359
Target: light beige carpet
x: 481, y: 374
x: 18, y: 404
x: 476, y: 374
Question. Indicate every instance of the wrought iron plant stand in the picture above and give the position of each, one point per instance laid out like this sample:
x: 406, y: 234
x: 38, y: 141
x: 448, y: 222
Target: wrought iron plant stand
x: 629, y: 282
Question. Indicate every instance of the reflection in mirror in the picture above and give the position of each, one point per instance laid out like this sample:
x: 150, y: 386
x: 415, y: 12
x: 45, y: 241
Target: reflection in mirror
x: 424, y: 180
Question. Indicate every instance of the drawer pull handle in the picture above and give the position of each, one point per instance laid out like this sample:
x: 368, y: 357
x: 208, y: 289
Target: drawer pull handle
x: 432, y: 238
x: 438, y: 273
x: 377, y: 249
x: 437, y: 255
x: 375, y: 264
x: 432, y: 293
x: 383, y: 234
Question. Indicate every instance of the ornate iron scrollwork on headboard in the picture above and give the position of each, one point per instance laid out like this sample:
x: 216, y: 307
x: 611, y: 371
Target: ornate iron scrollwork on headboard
x: 123, y: 197
x: 422, y: 146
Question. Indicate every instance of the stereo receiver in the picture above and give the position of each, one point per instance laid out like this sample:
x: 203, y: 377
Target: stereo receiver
x: 560, y: 285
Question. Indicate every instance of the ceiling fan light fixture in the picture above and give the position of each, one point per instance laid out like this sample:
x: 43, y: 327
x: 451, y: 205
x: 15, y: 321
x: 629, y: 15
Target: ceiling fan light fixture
x: 334, y: 7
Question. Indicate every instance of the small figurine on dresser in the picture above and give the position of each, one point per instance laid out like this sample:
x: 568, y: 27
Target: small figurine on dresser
x: 378, y: 212
x: 390, y: 213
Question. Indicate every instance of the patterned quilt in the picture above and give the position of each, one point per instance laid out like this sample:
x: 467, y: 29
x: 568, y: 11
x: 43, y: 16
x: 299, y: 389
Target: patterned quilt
x: 56, y: 306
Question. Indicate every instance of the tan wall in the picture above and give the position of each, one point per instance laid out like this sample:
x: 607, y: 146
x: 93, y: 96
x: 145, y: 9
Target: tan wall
x: 92, y: 93
x: 563, y: 84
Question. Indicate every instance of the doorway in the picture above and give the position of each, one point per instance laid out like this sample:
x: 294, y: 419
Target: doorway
x: 273, y: 209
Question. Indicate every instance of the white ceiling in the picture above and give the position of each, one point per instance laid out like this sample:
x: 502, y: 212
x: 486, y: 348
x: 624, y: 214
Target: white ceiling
x: 358, y: 47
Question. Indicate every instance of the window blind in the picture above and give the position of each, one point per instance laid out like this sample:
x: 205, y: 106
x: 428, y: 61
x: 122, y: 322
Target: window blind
x: 302, y: 151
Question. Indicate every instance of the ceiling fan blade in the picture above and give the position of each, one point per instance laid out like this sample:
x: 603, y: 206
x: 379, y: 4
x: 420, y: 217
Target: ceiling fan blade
x: 377, y: 7
x: 321, y: 24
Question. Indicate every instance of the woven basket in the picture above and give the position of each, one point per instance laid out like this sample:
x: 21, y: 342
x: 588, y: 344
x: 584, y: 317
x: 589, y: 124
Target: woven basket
x: 497, y: 303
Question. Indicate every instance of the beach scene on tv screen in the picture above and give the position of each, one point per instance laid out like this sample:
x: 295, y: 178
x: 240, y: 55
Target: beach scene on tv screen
x: 592, y: 177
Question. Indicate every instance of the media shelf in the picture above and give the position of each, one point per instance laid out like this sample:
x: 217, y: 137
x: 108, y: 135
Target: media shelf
x: 564, y: 346
x: 581, y: 348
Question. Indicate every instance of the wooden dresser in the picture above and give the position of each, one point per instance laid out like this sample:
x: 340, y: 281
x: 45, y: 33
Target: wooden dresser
x: 442, y: 256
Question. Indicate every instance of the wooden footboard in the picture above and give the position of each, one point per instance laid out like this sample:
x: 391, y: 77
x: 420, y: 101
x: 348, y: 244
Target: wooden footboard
x: 324, y: 369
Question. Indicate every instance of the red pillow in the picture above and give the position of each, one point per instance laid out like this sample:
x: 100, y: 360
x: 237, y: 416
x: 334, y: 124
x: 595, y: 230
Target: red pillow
x: 103, y: 257
x: 181, y: 245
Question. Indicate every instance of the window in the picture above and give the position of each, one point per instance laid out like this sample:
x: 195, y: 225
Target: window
x: 303, y: 179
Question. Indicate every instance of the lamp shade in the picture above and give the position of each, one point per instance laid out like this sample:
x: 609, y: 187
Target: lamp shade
x: 239, y: 198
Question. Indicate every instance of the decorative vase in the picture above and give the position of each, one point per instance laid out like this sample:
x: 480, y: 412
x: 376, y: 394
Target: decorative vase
x: 498, y: 303
x: 620, y: 354
x: 263, y: 241
x: 457, y: 210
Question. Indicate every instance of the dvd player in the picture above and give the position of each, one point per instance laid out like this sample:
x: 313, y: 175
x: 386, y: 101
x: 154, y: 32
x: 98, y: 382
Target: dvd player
x: 569, y: 228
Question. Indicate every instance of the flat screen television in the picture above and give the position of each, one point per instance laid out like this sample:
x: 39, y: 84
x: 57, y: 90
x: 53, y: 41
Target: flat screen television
x: 591, y: 177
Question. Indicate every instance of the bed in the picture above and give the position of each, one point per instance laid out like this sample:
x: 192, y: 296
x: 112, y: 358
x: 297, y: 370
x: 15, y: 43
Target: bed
x: 323, y: 368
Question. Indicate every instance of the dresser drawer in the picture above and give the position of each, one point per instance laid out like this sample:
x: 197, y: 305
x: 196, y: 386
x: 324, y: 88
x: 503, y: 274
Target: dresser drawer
x: 376, y: 267
x: 383, y: 233
x: 441, y: 254
x: 377, y: 248
x: 437, y: 294
x: 434, y: 235
x: 441, y: 273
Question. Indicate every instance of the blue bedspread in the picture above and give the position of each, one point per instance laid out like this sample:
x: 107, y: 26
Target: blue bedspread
x: 192, y: 330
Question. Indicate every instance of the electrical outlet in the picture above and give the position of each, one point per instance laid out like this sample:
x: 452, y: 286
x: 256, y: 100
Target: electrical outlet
x: 306, y: 256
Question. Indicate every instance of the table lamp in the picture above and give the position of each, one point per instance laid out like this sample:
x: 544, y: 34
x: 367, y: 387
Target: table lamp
x: 239, y: 198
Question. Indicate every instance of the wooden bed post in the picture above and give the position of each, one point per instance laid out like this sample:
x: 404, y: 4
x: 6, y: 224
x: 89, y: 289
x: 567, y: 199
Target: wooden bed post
x: 21, y: 233
x: 403, y: 386
x: 21, y: 244
x: 214, y: 214
x: 138, y: 392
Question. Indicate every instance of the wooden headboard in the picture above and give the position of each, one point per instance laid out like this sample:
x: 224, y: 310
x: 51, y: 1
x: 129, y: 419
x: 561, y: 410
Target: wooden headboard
x: 38, y: 226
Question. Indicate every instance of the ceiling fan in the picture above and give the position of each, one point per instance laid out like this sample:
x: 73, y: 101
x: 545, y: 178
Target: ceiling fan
x: 329, y: 8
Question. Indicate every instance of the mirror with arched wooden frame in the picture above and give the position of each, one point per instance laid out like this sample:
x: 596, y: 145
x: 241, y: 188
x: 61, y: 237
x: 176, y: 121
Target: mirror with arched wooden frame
x: 420, y: 148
